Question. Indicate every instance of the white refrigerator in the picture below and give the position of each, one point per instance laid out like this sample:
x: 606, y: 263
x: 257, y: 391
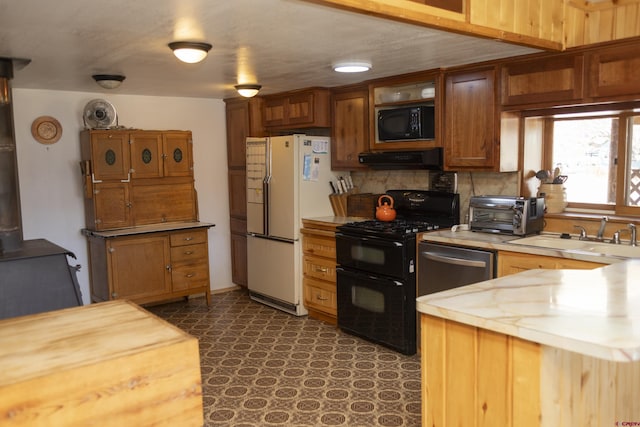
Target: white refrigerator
x: 287, y: 179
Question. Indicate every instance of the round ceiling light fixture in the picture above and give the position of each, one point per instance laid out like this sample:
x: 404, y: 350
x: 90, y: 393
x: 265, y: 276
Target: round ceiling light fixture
x: 109, y: 81
x: 352, y: 67
x: 248, y: 90
x: 190, y: 52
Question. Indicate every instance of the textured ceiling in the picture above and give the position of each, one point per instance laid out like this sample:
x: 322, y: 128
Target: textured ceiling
x: 281, y: 44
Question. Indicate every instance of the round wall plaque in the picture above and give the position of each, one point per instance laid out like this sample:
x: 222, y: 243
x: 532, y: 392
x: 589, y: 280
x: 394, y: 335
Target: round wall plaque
x: 46, y: 130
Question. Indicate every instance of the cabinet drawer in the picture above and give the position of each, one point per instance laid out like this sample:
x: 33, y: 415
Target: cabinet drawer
x: 189, y: 237
x: 320, y: 268
x: 189, y: 254
x: 320, y: 296
x: 190, y: 276
x: 319, y: 245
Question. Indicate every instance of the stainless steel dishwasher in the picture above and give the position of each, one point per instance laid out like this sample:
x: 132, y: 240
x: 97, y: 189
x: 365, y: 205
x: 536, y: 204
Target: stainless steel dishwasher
x: 442, y: 267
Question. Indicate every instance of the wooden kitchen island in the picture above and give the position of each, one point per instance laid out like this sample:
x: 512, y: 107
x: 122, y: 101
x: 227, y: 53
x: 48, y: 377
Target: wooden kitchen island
x: 546, y: 348
x: 107, y: 364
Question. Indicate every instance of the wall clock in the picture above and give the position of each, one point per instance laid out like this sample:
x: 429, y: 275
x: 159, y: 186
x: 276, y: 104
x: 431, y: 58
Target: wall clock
x: 46, y: 130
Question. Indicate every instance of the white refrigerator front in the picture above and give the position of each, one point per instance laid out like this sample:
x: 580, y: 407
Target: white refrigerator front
x: 297, y: 171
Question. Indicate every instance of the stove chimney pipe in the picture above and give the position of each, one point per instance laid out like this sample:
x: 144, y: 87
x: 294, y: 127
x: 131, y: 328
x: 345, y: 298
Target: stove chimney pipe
x: 10, y: 218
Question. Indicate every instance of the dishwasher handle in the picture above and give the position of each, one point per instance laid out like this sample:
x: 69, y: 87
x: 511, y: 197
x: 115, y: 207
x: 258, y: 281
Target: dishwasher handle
x: 455, y: 261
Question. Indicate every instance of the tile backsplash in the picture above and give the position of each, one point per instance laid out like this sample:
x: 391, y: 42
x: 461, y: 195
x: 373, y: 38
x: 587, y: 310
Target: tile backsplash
x: 469, y: 183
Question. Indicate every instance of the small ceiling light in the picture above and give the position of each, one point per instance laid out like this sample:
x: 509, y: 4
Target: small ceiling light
x: 190, y: 52
x: 248, y: 90
x: 351, y: 67
x: 108, y: 81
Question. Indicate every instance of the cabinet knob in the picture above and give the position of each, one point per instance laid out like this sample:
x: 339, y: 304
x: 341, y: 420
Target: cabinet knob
x: 168, y: 267
x: 321, y: 269
x: 188, y: 239
x: 188, y: 252
x: 114, y: 294
x: 111, y: 250
x: 190, y: 275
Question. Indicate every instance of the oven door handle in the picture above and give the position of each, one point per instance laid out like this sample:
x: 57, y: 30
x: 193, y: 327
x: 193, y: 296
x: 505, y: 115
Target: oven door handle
x: 378, y: 240
x: 455, y: 261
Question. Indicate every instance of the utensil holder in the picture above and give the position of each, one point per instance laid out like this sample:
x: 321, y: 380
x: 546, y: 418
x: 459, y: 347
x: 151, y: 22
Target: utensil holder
x: 555, y: 197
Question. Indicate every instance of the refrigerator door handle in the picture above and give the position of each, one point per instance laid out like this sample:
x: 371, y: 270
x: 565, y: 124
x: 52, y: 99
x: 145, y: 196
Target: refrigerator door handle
x: 265, y: 206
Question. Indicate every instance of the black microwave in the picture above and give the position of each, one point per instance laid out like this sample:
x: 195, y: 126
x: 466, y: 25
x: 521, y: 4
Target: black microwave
x: 397, y: 124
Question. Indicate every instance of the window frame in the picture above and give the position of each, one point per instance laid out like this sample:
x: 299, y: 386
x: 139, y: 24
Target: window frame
x: 622, y: 112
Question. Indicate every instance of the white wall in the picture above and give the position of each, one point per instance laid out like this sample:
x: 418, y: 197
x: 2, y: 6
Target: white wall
x: 51, y: 184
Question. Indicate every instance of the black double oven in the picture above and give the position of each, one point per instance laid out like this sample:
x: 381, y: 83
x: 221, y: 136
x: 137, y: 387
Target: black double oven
x: 376, y: 286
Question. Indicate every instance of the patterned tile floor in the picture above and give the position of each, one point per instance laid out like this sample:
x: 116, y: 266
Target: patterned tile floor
x: 263, y: 367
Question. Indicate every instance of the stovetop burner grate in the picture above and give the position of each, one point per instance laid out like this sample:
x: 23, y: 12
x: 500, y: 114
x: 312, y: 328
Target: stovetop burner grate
x: 398, y: 227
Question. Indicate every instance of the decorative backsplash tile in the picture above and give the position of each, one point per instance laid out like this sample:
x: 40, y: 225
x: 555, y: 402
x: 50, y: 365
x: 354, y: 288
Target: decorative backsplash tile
x: 469, y: 184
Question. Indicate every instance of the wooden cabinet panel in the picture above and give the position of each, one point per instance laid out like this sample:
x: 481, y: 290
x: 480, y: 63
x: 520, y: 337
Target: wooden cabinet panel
x: 239, y: 274
x: 470, y: 141
x: 149, y: 266
x: 613, y: 72
x: 109, y: 154
x: 110, y: 207
x: 163, y: 203
x: 297, y: 109
x: 238, y: 193
x: 177, y: 148
x: 139, y: 267
x: 244, y: 119
x: 543, y: 80
x: 350, y: 128
x: 146, y: 155
x: 319, y: 272
x: 515, y: 262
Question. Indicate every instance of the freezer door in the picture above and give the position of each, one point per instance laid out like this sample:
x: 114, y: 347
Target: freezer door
x: 283, y: 207
x: 256, y: 177
x: 273, y: 269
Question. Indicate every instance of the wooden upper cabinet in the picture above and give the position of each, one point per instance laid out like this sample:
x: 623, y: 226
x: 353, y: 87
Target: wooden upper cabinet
x: 613, y: 72
x: 177, y: 153
x: 244, y: 119
x: 470, y: 129
x: 109, y: 152
x: 350, y: 128
x: 298, y: 109
x: 543, y: 80
x: 146, y: 154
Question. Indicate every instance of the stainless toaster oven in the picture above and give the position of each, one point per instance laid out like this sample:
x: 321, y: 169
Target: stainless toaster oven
x: 506, y: 214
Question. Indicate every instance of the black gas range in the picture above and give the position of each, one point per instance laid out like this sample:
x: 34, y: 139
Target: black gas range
x: 376, y: 274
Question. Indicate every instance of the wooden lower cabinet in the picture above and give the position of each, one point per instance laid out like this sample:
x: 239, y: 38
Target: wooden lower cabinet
x: 149, y: 267
x: 515, y: 262
x: 475, y: 377
x: 319, y: 272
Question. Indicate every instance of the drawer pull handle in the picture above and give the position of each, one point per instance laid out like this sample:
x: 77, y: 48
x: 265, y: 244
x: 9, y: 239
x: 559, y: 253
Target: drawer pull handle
x: 190, y: 275
x: 188, y: 239
x: 320, y: 298
x: 321, y: 269
x: 188, y: 252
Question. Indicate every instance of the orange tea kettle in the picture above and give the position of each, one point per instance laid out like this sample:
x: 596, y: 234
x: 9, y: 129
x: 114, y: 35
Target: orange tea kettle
x: 385, y: 211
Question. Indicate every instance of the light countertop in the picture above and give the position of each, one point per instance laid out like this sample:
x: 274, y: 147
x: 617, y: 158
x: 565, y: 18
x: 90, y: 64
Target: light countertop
x: 500, y: 242
x: 152, y: 228
x: 591, y: 312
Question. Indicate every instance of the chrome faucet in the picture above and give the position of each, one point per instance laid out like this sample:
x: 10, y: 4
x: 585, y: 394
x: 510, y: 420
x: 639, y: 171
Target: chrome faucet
x: 583, y: 232
x: 603, y: 224
x: 632, y: 239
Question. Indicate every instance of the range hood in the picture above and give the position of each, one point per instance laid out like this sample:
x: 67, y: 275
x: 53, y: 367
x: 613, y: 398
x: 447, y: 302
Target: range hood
x: 424, y: 159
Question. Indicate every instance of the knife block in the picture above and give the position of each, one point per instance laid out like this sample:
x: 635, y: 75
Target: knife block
x: 339, y: 203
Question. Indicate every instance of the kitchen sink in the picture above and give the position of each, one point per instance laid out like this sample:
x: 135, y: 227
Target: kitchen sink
x: 573, y: 244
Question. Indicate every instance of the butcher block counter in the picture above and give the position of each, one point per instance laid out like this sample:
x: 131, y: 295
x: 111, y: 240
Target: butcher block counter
x: 538, y: 348
x: 107, y: 364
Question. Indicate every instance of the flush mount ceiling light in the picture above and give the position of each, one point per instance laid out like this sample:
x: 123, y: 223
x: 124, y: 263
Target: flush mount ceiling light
x: 352, y: 67
x: 248, y: 90
x: 190, y: 52
x: 108, y: 81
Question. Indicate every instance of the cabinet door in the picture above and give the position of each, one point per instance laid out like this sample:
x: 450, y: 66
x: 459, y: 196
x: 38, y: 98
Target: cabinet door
x: 177, y: 150
x: 238, y: 193
x: 139, y: 267
x: 112, y: 205
x: 275, y: 111
x: 146, y: 154
x: 163, y: 203
x: 350, y: 129
x: 543, y: 80
x: 110, y: 155
x: 613, y: 72
x: 470, y: 121
x: 239, y: 252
